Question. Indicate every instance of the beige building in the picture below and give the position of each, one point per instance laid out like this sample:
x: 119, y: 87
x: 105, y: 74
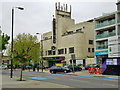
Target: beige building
x: 68, y: 40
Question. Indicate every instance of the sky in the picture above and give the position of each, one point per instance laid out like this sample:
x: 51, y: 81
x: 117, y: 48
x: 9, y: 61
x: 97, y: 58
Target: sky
x: 37, y: 14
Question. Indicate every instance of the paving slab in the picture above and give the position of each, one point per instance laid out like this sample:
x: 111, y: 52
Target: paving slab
x: 14, y: 82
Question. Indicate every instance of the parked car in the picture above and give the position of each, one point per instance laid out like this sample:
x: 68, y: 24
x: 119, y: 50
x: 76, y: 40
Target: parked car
x: 89, y: 66
x: 55, y: 69
x: 3, y: 67
x: 76, y: 68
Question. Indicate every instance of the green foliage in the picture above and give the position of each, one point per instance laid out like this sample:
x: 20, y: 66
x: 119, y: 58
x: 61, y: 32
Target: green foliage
x: 25, y: 48
x: 37, y: 63
x: 3, y: 40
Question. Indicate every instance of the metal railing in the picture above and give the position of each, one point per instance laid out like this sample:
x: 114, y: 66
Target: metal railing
x: 105, y: 23
x: 105, y: 35
x: 102, y: 47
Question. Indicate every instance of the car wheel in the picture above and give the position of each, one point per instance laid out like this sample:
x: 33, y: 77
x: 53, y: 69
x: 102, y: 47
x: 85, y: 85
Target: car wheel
x: 65, y: 71
x: 52, y: 72
x: 80, y: 69
x: 71, y: 70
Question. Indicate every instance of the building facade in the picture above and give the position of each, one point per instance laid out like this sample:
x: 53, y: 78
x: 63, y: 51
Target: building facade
x: 68, y: 41
x: 107, y: 41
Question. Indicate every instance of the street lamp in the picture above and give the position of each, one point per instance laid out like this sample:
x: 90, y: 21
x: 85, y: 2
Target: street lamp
x: 41, y: 49
x: 12, y: 35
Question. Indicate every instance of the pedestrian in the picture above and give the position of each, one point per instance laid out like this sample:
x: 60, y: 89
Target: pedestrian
x: 38, y: 68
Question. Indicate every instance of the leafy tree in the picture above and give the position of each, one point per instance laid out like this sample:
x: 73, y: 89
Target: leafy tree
x: 4, y: 38
x: 25, y: 48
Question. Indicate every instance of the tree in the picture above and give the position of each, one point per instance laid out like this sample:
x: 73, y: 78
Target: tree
x: 25, y: 48
x: 4, y: 38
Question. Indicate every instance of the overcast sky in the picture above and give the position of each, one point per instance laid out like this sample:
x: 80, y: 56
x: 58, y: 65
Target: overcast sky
x: 37, y: 16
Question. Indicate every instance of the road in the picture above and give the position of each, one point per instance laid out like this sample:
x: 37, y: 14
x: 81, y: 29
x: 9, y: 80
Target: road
x: 68, y: 80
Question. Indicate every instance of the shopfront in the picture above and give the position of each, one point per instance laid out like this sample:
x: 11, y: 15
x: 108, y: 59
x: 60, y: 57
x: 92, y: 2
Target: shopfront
x: 53, y: 60
x: 101, y: 56
x: 109, y: 65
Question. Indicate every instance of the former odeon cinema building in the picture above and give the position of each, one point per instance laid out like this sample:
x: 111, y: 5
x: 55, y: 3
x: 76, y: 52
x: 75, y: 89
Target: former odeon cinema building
x: 68, y: 40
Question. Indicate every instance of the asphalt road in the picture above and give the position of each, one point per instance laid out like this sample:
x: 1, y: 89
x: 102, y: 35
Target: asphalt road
x: 68, y: 80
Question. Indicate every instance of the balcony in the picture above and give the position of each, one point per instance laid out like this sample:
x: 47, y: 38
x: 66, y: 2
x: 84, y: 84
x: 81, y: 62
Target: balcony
x: 105, y: 23
x: 118, y: 20
x: 119, y: 32
x: 105, y: 35
x: 101, y: 47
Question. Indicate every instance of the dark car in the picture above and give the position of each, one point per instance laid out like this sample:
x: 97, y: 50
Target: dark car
x: 89, y: 66
x: 55, y: 69
x: 76, y: 68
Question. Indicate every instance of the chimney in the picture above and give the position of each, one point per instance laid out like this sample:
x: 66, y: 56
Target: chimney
x: 58, y: 5
x: 66, y: 7
x: 70, y: 9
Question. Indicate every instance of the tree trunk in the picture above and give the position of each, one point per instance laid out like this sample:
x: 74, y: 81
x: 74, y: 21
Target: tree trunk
x: 21, y: 74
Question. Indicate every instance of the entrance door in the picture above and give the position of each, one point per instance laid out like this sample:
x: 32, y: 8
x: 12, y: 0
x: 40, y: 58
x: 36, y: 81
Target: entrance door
x: 83, y: 62
x: 52, y: 63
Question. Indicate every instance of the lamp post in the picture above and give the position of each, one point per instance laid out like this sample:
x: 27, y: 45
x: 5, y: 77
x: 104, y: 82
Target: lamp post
x: 41, y: 49
x: 12, y: 36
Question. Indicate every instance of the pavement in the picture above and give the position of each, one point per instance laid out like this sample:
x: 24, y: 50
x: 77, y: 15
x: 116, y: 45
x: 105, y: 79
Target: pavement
x: 14, y: 82
x: 8, y: 82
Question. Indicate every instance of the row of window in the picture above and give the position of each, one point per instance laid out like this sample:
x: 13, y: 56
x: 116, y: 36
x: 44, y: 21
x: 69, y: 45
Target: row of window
x: 89, y: 49
x: 71, y: 32
x: 60, y: 51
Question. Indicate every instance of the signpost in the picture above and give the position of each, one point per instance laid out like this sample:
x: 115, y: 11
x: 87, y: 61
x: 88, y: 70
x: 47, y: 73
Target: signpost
x: 73, y: 58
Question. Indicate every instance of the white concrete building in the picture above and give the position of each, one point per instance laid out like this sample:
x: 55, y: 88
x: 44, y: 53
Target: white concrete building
x: 68, y: 40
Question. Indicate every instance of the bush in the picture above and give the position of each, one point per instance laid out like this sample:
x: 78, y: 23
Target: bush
x: 36, y: 64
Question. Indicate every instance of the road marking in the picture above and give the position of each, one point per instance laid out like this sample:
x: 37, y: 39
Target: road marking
x: 37, y: 78
x: 76, y: 75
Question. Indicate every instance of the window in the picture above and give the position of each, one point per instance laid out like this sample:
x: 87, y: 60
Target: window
x: 53, y: 52
x: 88, y: 49
x: 49, y: 52
x: 90, y: 41
x: 92, y: 49
x: 71, y: 50
x: 60, y: 51
x: 79, y: 30
x: 46, y: 38
x: 65, y: 50
x: 46, y: 53
x: 70, y: 32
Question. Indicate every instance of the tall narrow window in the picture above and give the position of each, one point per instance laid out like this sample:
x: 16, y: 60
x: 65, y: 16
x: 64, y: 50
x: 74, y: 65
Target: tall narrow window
x: 46, y: 53
x: 92, y: 49
x: 49, y: 52
x: 60, y: 51
x: 53, y: 52
x: 71, y: 50
x: 88, y: 49
x: 65, y: 50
